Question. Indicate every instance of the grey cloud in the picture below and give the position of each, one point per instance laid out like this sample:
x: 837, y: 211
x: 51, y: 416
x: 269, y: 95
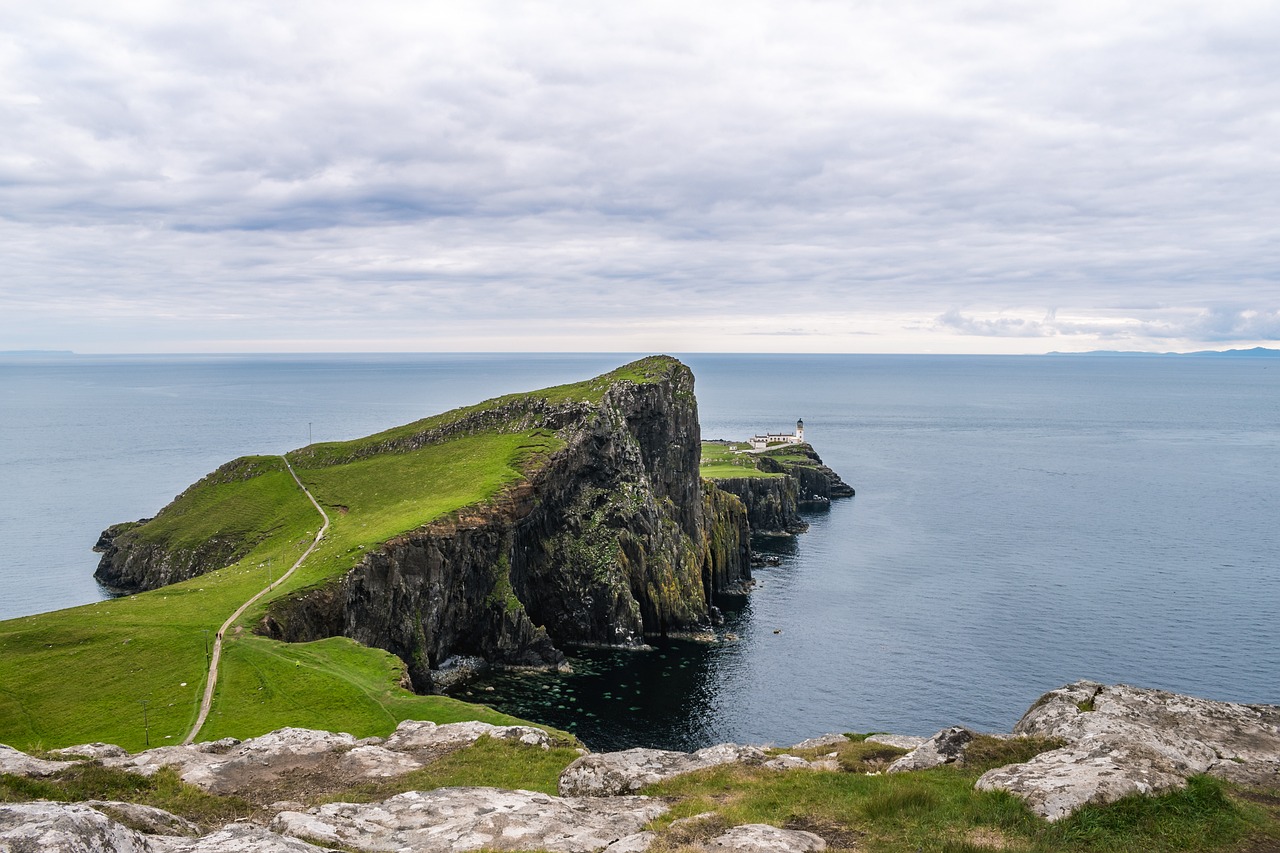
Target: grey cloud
x: 493, y: 162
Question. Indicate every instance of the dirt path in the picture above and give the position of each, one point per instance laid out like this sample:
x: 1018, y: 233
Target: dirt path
x: 212, y: 681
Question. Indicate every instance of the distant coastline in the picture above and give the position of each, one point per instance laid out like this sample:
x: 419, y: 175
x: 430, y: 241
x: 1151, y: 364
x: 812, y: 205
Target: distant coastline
x: 1255, y: 352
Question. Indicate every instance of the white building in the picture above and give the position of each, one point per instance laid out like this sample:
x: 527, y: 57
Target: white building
x: 760, y: 442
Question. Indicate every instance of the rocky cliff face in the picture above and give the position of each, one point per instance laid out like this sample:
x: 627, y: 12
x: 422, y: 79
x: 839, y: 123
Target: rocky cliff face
x: 773, y: 504
x: 612, y: 540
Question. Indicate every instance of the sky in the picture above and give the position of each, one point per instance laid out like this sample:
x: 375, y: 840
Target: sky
x: 791, y: 176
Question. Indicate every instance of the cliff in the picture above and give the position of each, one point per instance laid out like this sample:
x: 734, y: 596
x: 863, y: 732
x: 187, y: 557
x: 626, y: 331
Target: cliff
x: 774, y: 486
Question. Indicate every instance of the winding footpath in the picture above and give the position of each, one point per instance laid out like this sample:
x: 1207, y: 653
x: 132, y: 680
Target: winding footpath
x: 212, y: 681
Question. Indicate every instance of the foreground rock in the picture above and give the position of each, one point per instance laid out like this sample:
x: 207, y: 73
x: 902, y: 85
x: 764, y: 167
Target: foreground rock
x: 292, y: 761
x: 17, y: 763
x: 455, y: 819
x: 1125, y: 740
x: 762, y: 838
x: 946, y: 747
x: 609, y: 774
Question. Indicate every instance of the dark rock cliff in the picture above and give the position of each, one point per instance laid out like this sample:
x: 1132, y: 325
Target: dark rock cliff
x: 773, y: 503
x: 613, y: 539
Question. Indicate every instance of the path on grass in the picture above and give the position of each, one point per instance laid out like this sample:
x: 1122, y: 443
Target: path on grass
x: 212, y: 680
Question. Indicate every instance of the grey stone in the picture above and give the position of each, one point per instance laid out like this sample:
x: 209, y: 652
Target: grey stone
x: 788, y: 762
x: 900, y: 741
x: 1123, y: 739
x: 762, y: 838
x: 18, y: 763
x: 638, y: 843
x: 413, y: 735
x: 946, y: 747
x: 611, y: 773
x: 148, y: 819
x: 458, y: 819
x: 373, y: 762
x: 237, y: 838
x: 92, y: 750
x: 822, y: 742
x: 65, y: 828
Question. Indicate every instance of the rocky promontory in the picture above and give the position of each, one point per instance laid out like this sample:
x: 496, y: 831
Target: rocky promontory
x: 608, y: 537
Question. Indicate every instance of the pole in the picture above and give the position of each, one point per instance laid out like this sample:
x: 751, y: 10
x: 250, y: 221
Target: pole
x: 308, y: 433
x: 146, y: 725
x: 206, y: 646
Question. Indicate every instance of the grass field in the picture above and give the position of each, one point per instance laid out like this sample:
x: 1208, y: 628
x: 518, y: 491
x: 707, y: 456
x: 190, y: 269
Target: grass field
x: 727, y: 461
x: 84, y: 674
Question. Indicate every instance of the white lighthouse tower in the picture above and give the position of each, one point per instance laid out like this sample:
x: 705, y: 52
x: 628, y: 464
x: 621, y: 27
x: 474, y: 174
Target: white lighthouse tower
x: 800, y: 430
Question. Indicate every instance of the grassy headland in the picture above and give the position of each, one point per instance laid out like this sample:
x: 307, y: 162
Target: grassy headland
x: 92, y: 673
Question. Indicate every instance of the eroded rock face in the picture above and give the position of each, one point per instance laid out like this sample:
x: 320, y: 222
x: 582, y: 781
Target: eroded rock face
x: 1123, y: 740
x: 65, y: 828
x: 608, y: 774
x: 456, y: 819
x: 762, y: 838
x: 17, y: 763
x: 424, y: 735
x: 946, y: 747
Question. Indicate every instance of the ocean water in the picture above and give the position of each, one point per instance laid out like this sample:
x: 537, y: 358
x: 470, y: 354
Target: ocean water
x: 1020, y: 522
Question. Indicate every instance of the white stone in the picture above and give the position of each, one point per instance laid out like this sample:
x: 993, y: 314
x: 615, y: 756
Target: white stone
x: 65, y: 828
x: 607, y: 774
x: 457, y: 819
x: 18, y: 763
x: 92, y: 750
x: 423, y: 735
x: 762, y: 838
x: 900, y: 741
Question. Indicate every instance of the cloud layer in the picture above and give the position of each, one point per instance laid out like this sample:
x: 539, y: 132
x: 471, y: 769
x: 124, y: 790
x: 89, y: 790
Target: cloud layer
x: 738, y: 176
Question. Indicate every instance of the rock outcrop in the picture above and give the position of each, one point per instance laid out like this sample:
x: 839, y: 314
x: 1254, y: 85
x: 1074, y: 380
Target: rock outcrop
x: 792, y: 479
x: 1125, y: 740
x: 611, y: 538
x: 608, y: 774
x: 450, y: 819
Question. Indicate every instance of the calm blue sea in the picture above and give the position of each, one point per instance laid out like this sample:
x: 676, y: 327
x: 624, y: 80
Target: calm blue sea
x: 1020, y: 522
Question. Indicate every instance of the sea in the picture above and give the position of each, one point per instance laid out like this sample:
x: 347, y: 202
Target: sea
x: 1020, y: 522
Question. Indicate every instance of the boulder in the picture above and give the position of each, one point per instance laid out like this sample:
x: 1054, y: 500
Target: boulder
x: 237, y: 838
x: 96, y: 751
x: 607, y: 774
x: 946, y: 747
x: 1123, y: 740
x: 17, y: 763
x: 66, y: 828
x: 265, y: 760
x: 413, y: 735
x: 900, y: 741
x: 762, y: 838
x: 148, y: 819
x: 457, y: 819
x: 828, y: 741
x: 788, y: 762
x: 376, y: 762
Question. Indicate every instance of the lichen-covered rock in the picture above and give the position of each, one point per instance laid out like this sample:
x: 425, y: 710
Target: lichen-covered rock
x: 827, y: 741
x: 900, y: 741
x: 458, y: 819
x: 1123, y: 740
x: 607, y: 774
x: 946, y: 747
x: 413, y: 735
x: 148, y: 819
x: 92, y: 751
x: 65, y: 828
x: 762, y: 838
x: 788, y: 762
x: 238, y: 838
x: 17, y: 763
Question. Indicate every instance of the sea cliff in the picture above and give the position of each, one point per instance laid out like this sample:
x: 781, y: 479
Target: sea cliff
x: 610, y: 535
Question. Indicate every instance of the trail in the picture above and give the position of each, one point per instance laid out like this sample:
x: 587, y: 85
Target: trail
x: 212, y: 680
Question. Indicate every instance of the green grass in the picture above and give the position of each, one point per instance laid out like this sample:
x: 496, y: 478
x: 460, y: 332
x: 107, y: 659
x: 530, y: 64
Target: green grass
x: 725, y: 462
x: 939, y: 810
x: 81, y: 674
x: 163, y: 790
x: 488, y: 762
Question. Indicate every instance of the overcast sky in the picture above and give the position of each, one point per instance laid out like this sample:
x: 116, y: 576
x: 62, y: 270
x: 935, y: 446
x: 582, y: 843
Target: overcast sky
x: 790, y: 176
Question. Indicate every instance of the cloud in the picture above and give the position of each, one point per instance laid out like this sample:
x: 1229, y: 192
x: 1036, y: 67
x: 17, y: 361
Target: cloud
x: 423, y: 163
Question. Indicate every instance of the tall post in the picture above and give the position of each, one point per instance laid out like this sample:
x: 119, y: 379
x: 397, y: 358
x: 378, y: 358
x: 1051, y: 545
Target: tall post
x: 308, y: 433
x: 206, y: 646
x: 146, y: 724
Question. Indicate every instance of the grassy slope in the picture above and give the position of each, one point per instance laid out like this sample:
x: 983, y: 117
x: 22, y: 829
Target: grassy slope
x: 726, y: 462
x: 81, y: 674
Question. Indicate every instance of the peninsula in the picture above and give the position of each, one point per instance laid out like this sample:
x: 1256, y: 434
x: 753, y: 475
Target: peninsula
x: 495, y: 534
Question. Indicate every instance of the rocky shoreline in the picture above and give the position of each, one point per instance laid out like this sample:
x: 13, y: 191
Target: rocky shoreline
x: 1116, y: 741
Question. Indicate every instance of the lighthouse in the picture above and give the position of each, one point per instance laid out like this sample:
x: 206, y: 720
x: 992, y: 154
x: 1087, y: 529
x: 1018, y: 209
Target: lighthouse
x: 800, y: 430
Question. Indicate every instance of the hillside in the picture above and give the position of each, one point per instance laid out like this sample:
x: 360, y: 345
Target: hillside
x: 493, y: 533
